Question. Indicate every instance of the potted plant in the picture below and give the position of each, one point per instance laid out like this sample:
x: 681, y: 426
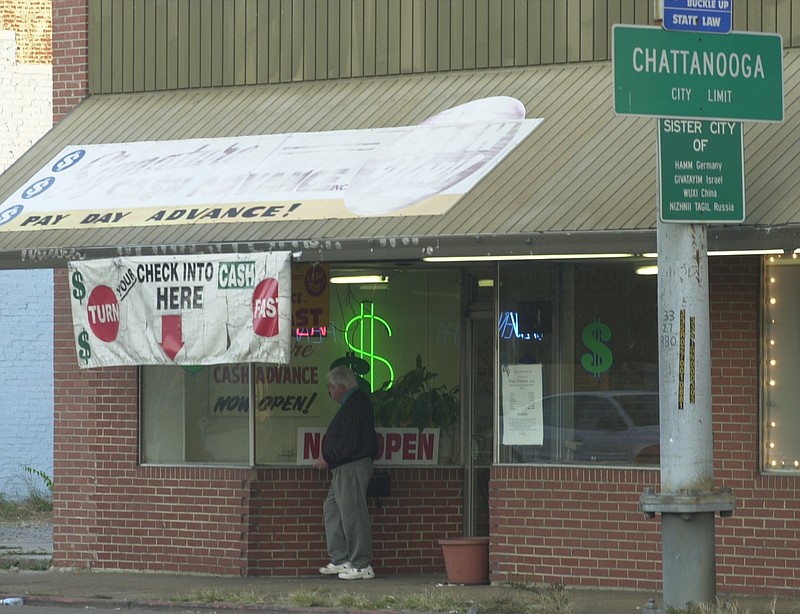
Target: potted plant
x: 414, y: 400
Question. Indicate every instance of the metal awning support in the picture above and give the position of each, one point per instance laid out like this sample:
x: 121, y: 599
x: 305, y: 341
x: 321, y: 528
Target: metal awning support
x: 687, y: 503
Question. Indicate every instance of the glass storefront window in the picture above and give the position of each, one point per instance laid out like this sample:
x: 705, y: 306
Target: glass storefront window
x: 781, y: 430
x: 578, y: 364
x: 403, y: 336
x: 195, y: 414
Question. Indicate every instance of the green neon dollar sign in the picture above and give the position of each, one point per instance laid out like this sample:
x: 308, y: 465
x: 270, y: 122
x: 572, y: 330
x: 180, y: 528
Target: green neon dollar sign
x: 599, y: 358
x: 85, y: 353
x: 363, y: 344
x: 79, y: 290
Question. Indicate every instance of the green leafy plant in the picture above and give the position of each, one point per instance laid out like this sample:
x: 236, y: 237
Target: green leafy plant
x: 48, y: 481
x: 415, y: 400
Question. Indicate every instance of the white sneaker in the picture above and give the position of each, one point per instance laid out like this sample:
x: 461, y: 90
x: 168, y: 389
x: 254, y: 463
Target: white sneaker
x: 331, y: 568
x: 358, y: 573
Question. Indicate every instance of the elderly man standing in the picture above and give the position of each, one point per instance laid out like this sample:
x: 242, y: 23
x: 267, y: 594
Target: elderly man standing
x: 348, y: 448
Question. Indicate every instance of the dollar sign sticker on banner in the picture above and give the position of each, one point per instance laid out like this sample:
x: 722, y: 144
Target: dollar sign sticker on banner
x: 79, y: 291
x: 599, y: 359
x: 364, y: 346
x: 85, y: 353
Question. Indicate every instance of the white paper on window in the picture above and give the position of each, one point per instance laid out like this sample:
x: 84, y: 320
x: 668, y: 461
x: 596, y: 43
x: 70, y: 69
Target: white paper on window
x: 522, y: 405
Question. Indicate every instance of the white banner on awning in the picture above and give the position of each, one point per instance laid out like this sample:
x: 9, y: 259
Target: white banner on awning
x: 410, y: 170
x: 182, y: 310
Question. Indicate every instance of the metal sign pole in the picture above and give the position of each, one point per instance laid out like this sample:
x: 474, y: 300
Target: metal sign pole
x: 687, y: 472
x: 687, y: 501
x: 658, y: 11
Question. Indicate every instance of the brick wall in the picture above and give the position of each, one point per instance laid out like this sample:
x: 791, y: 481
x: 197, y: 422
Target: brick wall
x: 287, y: 536
x: 111, y: 513
x: 759, y: 547
x: 31, y: 20
x: 70, y: 55
x: 426, y: 505
x: 582, y: 526
x: 573, y: 526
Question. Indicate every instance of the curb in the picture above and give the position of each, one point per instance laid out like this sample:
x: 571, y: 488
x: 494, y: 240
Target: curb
x: 128, y: 604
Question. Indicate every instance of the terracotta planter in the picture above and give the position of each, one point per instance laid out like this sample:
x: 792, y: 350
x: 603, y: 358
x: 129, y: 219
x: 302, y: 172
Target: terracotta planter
x: 466, y: 559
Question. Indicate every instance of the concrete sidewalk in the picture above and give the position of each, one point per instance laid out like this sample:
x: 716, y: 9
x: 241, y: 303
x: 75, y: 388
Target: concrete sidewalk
x: 131, y: 590
x: 26, y: 545
x: 127, y: 590
x: 32, y: 544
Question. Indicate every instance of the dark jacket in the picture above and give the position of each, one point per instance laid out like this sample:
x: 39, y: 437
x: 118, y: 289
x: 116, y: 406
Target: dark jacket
x: 351, y: 434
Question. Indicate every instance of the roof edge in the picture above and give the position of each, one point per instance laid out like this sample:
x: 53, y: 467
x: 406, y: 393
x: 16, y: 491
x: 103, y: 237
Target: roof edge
x: 387, y: 249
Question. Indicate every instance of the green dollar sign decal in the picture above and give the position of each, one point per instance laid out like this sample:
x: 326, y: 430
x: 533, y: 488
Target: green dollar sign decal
x: 364, y: 346
x: 85, y: 352
x: 79, y: 291
x: 595, y: 336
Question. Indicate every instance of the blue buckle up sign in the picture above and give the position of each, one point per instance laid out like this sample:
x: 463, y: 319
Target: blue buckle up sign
x: 698, y: 15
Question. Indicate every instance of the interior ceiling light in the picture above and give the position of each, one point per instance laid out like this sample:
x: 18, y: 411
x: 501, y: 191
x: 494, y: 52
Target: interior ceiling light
x: 734, y: 252
x: 650, y: 269
x: 744, y: 252
x: 360, y: 279
x: 522, y: 257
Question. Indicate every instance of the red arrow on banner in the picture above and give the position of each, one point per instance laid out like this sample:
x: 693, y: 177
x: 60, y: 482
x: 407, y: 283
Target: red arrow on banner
x: 171, y: 335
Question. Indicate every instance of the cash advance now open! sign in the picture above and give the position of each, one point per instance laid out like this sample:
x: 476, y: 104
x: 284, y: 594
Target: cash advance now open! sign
x: 182, y: 310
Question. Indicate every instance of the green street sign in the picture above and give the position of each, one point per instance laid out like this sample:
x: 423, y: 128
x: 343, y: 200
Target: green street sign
x: 701, y: 171
x: 663, y: 73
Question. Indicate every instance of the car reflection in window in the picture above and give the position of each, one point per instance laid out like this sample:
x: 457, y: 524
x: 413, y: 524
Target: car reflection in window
x: 603, y: 426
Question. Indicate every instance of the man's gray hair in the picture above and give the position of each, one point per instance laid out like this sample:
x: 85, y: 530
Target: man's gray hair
x: 343, y: 376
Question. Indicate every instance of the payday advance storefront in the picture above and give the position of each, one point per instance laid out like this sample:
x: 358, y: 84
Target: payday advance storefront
x: 506, y: 311
x: 195, y: 376
x: 191, y: 393
x: 215, y: 358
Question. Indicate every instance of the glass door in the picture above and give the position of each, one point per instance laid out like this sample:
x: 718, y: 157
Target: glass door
x: 480, y: 416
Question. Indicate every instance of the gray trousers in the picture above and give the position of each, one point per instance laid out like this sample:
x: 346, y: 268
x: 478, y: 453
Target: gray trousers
x: 348, y: 529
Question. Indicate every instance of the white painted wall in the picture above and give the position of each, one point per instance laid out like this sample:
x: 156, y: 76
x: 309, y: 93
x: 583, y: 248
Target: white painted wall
x: 26, y: 297
x: 26, y: 101
x: 26, y: 380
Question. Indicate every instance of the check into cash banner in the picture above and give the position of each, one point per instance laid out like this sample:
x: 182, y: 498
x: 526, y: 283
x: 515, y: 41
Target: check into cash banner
x: 182, y: 310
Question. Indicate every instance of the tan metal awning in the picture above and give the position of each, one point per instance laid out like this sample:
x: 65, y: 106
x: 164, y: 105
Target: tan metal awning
x: 585, y: 180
